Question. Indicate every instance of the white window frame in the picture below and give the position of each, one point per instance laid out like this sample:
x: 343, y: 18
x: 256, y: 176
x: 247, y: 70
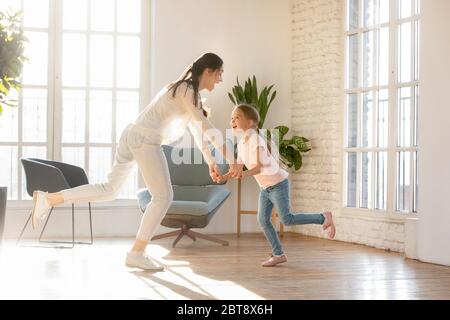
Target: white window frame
x: 54, y: 97
x: 390, y: 214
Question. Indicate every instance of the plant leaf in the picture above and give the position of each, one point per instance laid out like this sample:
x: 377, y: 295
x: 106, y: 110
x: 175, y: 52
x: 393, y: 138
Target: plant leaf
x: 264, y: 108
x: 241, y: 94
x: 298, y: 161
x: 237, y: 94
x: 248, y: 91
x: 231, y: 98
x: 283, y: 130
x: 274, y: 94
x: 12, y: 45
x: 289, y: 159
x: 254, y: 90
x: 290, y: 150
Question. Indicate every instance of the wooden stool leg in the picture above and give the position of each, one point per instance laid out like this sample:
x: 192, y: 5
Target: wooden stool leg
x: 239, y: 209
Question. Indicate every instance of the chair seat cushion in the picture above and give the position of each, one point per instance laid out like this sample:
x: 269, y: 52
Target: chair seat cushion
x: 190, y: 200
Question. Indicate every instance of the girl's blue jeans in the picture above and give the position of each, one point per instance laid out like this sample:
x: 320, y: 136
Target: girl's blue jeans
x: 279, y: 196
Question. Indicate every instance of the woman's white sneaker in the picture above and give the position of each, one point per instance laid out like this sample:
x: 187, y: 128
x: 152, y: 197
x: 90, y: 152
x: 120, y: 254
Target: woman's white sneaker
x: 142, y: 261
x: 41, y: 207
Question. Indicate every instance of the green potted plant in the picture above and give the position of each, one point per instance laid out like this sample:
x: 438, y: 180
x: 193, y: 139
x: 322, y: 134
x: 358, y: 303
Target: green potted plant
x: 291, y: 149
x: 12, y: 44
x: 249, y: 94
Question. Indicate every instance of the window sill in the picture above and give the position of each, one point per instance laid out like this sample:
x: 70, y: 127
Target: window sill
x: 379, y: 216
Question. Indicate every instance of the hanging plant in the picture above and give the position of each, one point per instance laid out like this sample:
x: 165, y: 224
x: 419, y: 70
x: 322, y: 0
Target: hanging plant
x: 12, y: 45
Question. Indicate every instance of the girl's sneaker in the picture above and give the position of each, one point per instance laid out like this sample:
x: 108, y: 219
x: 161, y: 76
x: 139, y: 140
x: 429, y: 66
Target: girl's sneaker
x: 273, y: 261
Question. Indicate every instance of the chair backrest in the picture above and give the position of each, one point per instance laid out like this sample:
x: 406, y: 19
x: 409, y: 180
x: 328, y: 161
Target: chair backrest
x: 188, y: 168
x: 51, y: 176
x: 75, y: 176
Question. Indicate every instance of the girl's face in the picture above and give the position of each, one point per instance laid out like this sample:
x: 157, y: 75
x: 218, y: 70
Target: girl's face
x: 239, y: 123
x: 210, y: 78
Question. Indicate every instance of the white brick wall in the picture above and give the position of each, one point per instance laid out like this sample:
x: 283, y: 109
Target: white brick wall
x: 317, y: 113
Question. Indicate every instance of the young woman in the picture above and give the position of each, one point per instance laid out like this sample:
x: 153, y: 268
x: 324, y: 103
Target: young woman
x: 174, y: 109
x: 272, y: 179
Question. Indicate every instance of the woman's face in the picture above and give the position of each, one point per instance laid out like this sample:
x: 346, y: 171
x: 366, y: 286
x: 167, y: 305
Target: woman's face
x: 210, y: 78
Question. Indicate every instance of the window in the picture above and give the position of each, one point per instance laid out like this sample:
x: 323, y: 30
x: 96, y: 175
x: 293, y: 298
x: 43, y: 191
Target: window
x: 382, y: 88
x: 81, y: 86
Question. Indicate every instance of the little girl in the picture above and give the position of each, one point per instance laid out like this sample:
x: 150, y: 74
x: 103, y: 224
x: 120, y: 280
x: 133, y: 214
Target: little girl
x: 273, y: 181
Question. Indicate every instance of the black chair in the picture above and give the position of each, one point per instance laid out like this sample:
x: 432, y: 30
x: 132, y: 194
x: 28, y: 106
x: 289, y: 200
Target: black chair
x: 53, y: 176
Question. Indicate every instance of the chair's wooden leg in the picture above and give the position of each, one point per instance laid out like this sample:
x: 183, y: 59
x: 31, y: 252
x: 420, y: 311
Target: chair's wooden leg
x: 281, y: 230
x: 165, y: 235
x: 210, y: 238
x: 182, y: 233
x: 190, y: 235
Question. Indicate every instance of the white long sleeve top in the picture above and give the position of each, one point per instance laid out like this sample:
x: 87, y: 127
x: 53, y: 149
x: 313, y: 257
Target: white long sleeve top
x: 167, y: 118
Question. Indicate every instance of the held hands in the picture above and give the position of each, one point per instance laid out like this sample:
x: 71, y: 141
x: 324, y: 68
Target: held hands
x: 234, y: 172
x: 225, y: 177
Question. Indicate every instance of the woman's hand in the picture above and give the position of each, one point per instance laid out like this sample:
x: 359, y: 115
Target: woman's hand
x: 215, y: 173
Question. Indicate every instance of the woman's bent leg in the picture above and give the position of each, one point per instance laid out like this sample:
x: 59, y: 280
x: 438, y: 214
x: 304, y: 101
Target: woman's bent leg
x: 102, y: 191
x: 123, y: 165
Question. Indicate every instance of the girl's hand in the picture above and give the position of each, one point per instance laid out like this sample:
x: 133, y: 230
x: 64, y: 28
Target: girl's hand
x: 236, y: 171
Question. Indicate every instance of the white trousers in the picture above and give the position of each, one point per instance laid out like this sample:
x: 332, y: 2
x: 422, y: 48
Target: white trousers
x: 133, y: 147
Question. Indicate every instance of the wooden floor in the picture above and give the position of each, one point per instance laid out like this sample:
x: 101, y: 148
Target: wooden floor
x: 317, y: 269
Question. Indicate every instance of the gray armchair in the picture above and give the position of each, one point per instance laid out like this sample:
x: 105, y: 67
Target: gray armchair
x: 54, y: 176
x: 196, y: 197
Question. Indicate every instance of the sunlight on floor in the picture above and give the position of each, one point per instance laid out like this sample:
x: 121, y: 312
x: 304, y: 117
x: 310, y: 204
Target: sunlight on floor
x: 98, y: 272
